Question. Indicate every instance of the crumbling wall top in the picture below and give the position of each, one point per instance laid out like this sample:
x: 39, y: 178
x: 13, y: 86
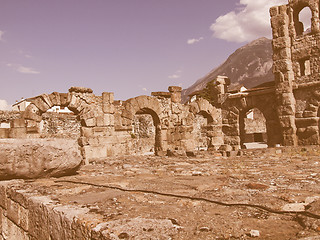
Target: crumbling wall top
x: 80, y: 90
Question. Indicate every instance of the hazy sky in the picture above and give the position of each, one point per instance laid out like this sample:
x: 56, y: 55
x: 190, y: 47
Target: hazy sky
x: 130, y: 47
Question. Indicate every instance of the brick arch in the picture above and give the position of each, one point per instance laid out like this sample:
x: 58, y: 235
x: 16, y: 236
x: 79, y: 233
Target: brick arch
x: 145, y: 105
x: 74, y: 102
x: 266, y: 103
x: 203, y: 107
x: 141, y: 103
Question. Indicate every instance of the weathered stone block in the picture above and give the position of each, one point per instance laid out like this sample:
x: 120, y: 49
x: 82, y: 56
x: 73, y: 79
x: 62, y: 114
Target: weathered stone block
x: 4, y: 132
x: 95, y: 152
x: 109, y: 120
x: 18, y: 123
x: 287, y: 121
x: 74, y: 103
x: 286, y: 110
x: 34, y: 158
x: 107, y: 97
x: 305, y: 122
x: 3, y: 197
x: 32, y: 113
x: 126, y: 114
x: 13, y: 211
x: 55, y: 99
x: 11, y: 231
x: 47, y: 100
x: 274, y: 11
x: 194, y: 108
x: 231, y: 130
x: 38, y: 218
x: 89, y: 122
x: 309, y: 114
x: 18, y: 196
x: 281, y: 42
x: 65, y: 99
x: 175, y: 93
x: 232, y: 140
x: 24, y: 218
x: 41, y: 104
x: 100, y: 121
x: 287, y: 99
x: 17, y: 133
x: 289, y: 140
x: 88, y: 112
x: 282, y: 66
x: 86, y: 132
x: 108, y: 108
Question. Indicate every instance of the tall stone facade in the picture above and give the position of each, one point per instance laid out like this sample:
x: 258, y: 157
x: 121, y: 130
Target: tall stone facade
x: 296, y: 67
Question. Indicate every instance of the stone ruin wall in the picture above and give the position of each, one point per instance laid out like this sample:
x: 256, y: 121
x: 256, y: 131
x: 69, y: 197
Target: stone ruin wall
x: 53, y: 125
x: 297, y: 74
x: 107, y: 127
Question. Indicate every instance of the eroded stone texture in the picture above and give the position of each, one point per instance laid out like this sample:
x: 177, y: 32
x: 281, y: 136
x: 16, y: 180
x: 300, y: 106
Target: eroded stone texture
x: 34, y: 158
x: 296, y: 68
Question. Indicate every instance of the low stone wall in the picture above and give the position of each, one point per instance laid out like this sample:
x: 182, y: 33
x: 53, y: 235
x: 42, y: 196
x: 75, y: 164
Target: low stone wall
x: 27, y: 216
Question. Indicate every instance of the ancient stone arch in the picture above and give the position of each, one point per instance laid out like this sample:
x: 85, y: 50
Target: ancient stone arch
x: 214, y: 121
x: 145, y: 105
x: 77, y: 100
x: 239, y: 106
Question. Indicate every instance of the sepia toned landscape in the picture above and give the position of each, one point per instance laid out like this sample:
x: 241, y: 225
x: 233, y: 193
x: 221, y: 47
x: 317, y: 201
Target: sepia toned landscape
x: 234, y: 156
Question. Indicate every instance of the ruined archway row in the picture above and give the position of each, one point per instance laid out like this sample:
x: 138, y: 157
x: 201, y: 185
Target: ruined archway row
x: 107, y: 125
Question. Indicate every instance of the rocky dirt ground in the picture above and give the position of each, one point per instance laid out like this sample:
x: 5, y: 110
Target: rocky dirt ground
x: 263, y: 194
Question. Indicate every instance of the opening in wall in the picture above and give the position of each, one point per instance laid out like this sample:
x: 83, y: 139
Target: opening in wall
x: 304, y: 67
x: 302, y: 21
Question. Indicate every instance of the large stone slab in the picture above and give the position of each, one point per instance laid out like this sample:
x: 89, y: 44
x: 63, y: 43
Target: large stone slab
x: 37, y: 158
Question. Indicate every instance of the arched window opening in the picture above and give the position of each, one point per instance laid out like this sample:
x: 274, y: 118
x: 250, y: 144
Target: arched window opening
x: 303, y: 21
x: 254, y: 129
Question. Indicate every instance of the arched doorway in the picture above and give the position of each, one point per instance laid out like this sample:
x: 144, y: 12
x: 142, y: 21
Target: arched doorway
x: 201, y: 123
x: 146, y: 132
x: 253, y: 129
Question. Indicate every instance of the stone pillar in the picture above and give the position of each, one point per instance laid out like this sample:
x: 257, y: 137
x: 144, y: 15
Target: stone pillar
x: 175, y: 93
x: 283, y: 70
x: 107, y: 100
x: 221, y: 86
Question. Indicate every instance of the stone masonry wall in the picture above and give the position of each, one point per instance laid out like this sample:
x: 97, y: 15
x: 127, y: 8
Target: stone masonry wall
x: 27, y: 216
x: 296, y: 67
x: 107, y: 127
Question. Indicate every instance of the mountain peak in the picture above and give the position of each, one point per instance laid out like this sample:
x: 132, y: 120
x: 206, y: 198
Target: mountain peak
x: 249, y: 65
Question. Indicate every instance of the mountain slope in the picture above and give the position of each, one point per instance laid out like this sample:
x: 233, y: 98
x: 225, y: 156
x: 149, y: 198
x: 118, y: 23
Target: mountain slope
x: 249, y: 65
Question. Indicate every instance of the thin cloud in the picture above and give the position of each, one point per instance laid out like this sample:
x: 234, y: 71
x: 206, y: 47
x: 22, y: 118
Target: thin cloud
x: 176, y: 75
x: 27, y: 70
x: 246, y: 23
x: 144, y: 89
x: 22, y: 69
x: 194, y: 40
